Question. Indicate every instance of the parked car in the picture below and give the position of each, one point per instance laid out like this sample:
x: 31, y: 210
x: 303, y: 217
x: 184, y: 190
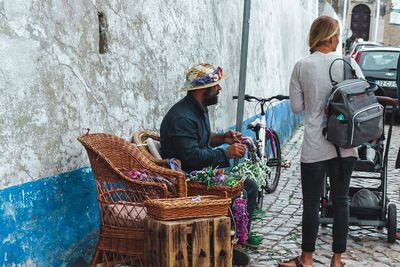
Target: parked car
x: 379, y: 65
x: 360, y: 45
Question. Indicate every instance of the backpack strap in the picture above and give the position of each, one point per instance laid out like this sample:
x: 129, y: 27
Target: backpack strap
x: 348, y: 70
x: 338, y: 151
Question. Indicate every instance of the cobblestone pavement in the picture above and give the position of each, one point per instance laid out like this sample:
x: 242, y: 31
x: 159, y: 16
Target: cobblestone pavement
x: 281, y: 228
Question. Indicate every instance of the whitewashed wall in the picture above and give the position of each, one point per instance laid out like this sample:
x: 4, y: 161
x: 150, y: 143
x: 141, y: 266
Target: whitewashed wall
x: 53, y: 81
x: 278, y: 38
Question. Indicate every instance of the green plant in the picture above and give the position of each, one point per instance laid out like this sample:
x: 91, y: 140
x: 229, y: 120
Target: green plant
x: 253, y: 170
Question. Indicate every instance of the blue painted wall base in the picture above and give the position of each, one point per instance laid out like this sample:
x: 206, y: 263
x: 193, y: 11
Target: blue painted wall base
x: 50, y: 222
x: 55, y: 221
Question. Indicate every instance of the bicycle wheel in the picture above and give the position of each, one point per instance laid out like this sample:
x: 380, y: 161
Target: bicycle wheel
x: 273, y: 159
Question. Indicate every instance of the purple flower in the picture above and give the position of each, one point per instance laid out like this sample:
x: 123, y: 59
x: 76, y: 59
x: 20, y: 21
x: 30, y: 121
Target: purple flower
x: 219, y: 178
x: 202, y: 80
x: 208, y: 78
x: 134, y: 174
x: 241, y: 217
x: 247, y: 141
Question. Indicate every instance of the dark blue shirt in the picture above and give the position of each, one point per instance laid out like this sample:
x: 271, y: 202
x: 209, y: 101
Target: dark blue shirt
x: 185, y: 134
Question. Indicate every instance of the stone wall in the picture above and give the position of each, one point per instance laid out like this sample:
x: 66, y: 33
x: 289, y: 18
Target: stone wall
x: 391, y: 34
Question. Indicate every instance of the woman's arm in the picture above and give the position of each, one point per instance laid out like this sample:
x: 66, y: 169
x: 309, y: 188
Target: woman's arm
x: 357, y: 69
x: 296, y: 95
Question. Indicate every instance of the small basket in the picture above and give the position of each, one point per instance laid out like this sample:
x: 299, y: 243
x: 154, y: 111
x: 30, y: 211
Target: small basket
x: 197, y: 188
x: 187, y: 207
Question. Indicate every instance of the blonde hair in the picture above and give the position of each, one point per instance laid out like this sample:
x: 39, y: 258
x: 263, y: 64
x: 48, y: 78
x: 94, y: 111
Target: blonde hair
x: 322, y: 29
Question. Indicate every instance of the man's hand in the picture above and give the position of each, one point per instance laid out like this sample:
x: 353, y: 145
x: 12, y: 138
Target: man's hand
x: 231, y: 137
x: 236, y: 150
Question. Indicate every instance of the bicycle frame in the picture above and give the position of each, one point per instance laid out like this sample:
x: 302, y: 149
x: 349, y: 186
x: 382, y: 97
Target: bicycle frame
x: 260, y: 128
x: 268, y: 157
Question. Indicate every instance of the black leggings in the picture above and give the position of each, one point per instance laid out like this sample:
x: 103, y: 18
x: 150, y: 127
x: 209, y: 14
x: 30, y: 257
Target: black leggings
x: 312, y: 175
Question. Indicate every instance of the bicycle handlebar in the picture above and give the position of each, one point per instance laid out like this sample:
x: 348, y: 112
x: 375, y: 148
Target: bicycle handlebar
x: 249, y: 98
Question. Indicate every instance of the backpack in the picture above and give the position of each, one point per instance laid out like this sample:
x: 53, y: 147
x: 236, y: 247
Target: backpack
x: 354, y: 114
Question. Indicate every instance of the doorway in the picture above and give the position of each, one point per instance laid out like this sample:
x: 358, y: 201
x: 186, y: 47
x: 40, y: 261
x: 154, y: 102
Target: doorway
x: 360, y: 21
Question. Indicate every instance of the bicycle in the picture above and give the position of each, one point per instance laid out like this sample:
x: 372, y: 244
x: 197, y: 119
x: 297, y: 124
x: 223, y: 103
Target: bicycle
x: 268, y: 148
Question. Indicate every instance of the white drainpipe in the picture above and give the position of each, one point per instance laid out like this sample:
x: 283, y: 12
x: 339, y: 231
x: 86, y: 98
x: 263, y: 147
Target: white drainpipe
x: 344, y: 15
x: 378, y: 11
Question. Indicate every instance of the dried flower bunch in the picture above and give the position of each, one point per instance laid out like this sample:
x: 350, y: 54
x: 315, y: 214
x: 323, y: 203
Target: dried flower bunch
x: 213, y: 176
x: 241, y: 219
x: 146, y: 176
x: 251, y: 168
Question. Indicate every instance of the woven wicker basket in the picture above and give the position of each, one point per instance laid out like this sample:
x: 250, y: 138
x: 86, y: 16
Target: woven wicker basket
x: 197, y: 188
x: 187, y: 207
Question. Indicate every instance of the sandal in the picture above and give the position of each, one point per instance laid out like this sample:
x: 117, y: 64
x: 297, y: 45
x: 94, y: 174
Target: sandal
x: 295, y: 262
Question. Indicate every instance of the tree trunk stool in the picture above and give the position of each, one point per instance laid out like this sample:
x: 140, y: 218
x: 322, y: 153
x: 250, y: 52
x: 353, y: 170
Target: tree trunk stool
x: 186, y: 243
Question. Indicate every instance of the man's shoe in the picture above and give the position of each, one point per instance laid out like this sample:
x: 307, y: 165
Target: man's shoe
x: 240, y: 258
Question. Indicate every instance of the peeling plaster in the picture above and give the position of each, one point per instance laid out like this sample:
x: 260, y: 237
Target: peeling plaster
x: 9, y: 210
x: 54, y: 82
x: 9, y: 239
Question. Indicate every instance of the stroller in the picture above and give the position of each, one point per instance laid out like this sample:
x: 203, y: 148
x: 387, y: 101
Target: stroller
x: 369, y: 206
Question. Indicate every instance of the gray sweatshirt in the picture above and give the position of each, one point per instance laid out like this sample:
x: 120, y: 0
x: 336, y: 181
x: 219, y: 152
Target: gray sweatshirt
x: 309, y: 90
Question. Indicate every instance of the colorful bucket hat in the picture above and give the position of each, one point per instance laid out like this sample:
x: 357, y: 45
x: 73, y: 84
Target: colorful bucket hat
x: 202, y: 76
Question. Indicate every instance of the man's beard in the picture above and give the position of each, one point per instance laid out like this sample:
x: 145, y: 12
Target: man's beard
x: 210, y: 98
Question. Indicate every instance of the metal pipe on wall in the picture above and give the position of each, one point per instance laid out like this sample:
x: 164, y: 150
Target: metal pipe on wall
x: 344, y: 16
x: 378, y: 13
x: 243, y: 64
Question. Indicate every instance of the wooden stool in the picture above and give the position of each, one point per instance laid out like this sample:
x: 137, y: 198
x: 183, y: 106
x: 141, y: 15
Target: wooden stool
x: 194, y: 242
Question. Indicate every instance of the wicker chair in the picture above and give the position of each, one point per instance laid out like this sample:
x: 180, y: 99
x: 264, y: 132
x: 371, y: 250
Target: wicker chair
x: 140, y: 140
x: 193, y: 188
x: 120, y: 198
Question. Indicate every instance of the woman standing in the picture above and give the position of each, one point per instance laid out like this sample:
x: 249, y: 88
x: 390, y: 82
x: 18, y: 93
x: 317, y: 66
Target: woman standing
x: 310, y: 87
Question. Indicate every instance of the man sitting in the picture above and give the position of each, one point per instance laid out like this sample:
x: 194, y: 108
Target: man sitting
x: 185, y: 131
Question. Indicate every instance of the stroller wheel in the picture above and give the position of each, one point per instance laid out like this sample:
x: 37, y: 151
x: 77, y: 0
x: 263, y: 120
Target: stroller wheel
x: 391, y: 223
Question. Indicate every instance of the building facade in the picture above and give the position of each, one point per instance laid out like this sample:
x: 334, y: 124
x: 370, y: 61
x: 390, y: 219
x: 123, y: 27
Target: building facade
x: 365, y: 19
x: 368, y: 19
x: 392, y: 23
